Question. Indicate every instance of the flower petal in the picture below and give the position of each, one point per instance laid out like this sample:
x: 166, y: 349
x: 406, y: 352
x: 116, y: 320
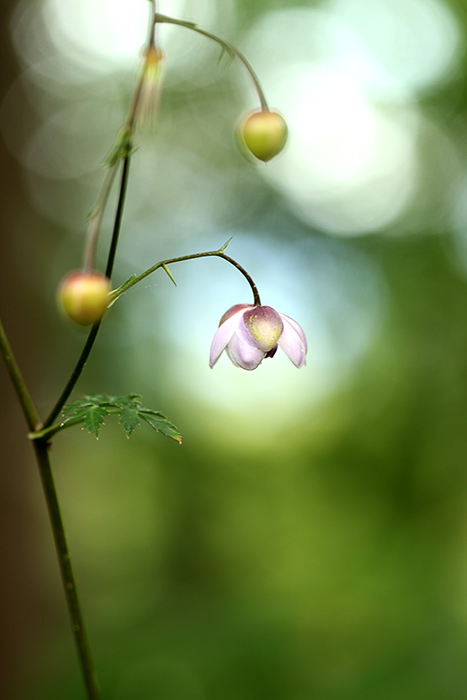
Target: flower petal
x: 233, y: 310
x: 223, y: 335
x: 293, y: 342
x: 243, y: 352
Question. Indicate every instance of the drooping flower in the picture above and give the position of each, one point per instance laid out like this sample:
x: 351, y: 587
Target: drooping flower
x: 251, y: 333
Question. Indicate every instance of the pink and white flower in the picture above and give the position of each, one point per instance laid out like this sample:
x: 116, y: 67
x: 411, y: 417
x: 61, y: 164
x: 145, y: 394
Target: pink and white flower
x: 250, y: 333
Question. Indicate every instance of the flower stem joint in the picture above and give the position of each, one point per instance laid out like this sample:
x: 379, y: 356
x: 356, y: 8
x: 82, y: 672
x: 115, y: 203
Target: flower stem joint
x: 250, y: 333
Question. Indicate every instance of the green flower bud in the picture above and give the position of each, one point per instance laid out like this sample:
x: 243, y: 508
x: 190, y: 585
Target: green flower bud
x: 84, y: 296
x: 264, y: 134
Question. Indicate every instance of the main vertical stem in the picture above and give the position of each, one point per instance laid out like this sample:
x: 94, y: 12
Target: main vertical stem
x: 118, y: 215
x: 70, y: 385
x: 41, y: 449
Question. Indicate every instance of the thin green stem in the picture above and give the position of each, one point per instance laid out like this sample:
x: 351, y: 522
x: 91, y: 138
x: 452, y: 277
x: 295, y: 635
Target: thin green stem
x: 119, y: 151
x: 118, y: 217
x: 39, y: 432
x: 249, y: 279
x: 152, y: 25
x: 41, y: 449
x: 163, y: 263
x: 226, y: 45
x: 151, y: 42
x: 47, y: 433
x: 29, y: 410
x: 70, y: 385
x: 96, y: 217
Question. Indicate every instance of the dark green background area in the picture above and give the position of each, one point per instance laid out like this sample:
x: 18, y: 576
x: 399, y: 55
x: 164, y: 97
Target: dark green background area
x: 325, y: 559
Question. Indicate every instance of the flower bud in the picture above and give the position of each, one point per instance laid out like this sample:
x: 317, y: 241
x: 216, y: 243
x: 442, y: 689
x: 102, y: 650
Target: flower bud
x: 264, y: 134
x: 84, y: 296
x: 151, y: 89
x: 264, y: 325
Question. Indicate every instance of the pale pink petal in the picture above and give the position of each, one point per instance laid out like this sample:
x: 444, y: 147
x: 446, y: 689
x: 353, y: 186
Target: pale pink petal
x: 293, y: 342
x: 298, y: 328
x: 243, y: 352
x: 223, y: 336
x: 233, y: 310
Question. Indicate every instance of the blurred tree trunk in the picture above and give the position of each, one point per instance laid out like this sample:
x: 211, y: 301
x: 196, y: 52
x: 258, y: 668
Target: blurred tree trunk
x: 19, y: 613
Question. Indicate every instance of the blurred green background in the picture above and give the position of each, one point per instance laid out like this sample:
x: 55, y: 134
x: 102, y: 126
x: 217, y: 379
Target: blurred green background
x: 309, y: 538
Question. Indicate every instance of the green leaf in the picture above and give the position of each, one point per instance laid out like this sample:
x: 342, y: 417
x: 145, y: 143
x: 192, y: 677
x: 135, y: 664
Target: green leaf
x: 76, y: 417
x: 75, y: 407
x: 160, y: 423
x: 94, y: 418
x: 96, y: 399
x: 91, y: 409
x: 128, y: 400
x: 129, y: 418
x: 85, y: 411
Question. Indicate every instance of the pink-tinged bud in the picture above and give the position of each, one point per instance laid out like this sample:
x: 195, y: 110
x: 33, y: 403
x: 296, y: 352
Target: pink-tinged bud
x: 250, y: 333
x: 84, y: 296
x: 264, y: 325
x: 264, y: 134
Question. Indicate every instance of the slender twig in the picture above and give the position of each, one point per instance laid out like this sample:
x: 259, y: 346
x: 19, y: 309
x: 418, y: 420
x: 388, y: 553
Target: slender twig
x: 256, y: 298
x: 226, y: 45
x: 152, y: 25
x: 151, y: 42
x: 41, y: 449
x: 29, y: 410
x: 48, y: 433
x: 118, y: 216
x: 163, y: 263
x: 70, y: 385
x: 96, y: 217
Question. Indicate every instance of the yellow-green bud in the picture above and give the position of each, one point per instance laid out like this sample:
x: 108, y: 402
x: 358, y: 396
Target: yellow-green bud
x: 264, y: 134
x: 264, y: 325
x: 150, y: 89
x: 84, y: 296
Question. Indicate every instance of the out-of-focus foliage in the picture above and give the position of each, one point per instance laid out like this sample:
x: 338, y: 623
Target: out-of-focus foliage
x: 309, y: 539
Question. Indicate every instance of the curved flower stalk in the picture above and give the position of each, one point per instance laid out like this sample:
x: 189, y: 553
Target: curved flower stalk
x: 250, y: 333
